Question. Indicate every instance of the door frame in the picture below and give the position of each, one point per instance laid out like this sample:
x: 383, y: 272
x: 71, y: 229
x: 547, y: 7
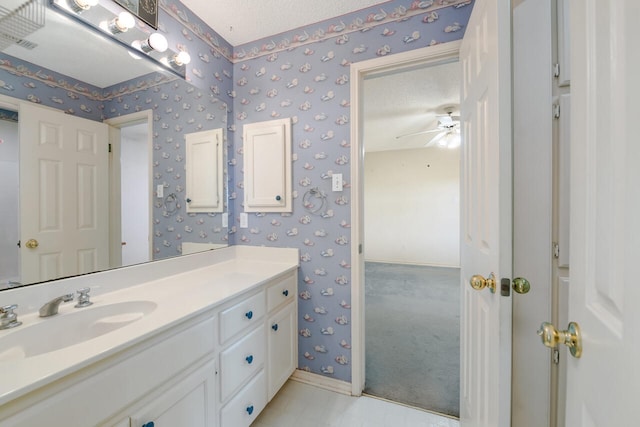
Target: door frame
x: 359, y: 71
x: 115, y: 224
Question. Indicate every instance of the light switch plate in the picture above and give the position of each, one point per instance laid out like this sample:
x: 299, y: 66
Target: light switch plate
x: 336, y: 182
x: 225, y: 220
x: 244, y: 220
x: 160, y: 191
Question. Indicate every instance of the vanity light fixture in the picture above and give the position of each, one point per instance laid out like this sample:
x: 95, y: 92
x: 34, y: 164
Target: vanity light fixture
x: 79, y: 6
x: 156, y: 41
x: 120, y: 24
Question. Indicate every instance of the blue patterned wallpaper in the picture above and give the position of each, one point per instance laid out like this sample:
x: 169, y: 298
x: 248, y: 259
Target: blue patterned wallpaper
x: 304, y: 74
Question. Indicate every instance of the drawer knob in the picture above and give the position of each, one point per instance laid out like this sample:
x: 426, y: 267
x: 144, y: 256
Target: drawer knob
x: 249, y: 314
x: 250, y: 409
x: 285, y: 293
x: 274, y: 326
x: 278, y: 198
x: 249, y: 359
x: 149, y: 424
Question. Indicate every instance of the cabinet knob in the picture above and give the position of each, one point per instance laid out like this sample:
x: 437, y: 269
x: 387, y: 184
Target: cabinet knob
x: 274, y: 326
x: 278, y: 198
x: 249, y: 359
x: 285, y: 293
x: 250, y: 409
x: 188, y: 200
x: 149, y: 424
x: 249, y: 314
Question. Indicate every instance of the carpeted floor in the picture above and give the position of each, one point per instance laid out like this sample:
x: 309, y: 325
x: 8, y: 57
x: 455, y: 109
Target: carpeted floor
x: 412, y: 327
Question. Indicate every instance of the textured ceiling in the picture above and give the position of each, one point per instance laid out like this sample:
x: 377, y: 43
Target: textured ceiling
x: 406, y: 102
x: 243, y: 21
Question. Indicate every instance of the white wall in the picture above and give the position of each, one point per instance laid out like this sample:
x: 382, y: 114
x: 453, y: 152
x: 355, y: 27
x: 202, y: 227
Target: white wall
x: 9, y: 202
x: 412, y: 212
x: 135, y: 177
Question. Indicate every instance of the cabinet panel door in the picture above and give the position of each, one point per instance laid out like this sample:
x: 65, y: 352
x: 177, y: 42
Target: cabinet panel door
x: 191, y: 402
x: 204, y: 178
x: 283, y: 347
x: 267, y: 166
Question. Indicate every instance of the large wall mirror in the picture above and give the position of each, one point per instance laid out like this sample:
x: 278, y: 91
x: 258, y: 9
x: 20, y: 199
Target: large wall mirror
x: 66, y: 67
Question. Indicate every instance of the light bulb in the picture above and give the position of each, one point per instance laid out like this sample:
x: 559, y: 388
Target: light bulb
x: 79, y: 6
x: 182, y: 58
x: 122, y: 23
x: 156, y: 41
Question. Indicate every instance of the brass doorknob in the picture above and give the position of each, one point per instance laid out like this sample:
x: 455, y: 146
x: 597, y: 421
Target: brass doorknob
x: 31, y: 244
x: 572, y: 338
x: 521, y: 285
x: 479, y: 283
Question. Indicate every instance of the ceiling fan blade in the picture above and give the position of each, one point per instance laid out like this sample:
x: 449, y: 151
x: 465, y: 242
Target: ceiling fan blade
x: 436, y: 139
x: 419, y: 133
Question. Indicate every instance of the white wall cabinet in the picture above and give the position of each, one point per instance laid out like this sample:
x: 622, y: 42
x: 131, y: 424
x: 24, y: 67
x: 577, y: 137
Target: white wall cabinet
x: 267, y: 166
x: 204, y: 171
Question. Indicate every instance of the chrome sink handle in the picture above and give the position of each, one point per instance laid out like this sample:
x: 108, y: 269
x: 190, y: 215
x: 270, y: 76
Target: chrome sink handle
x: 9, y: 319
x: 83, y: 298
x: 51, y: 308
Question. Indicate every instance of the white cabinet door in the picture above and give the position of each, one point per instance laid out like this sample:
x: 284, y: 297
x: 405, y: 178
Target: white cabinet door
x: 283, y: 347
x: 204, y: 171
x: 191, y: 402
x: 267, y: 166
x: 602, y: 385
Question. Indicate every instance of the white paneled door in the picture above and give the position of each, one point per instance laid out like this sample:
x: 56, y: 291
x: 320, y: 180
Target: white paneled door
x: 604, y: 297
x: 63, y: 194
x: 485, y: 388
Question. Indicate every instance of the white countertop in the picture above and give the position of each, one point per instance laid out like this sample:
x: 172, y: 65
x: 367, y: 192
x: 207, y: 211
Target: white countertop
x: 179, y: 297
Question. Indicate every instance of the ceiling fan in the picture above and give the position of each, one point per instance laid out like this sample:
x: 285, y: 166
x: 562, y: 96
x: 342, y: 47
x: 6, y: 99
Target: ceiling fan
x: 448, y: 128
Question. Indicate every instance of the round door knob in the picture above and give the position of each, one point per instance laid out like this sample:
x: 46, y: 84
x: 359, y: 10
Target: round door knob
x: 572, y: 338
x: 521, y: 285
x: 31, y: 243
x: 478, y: 282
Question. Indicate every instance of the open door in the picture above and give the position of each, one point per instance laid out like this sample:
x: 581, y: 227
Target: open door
x: 63, y: 194
x: 604, y: 297
x: 486, y: 216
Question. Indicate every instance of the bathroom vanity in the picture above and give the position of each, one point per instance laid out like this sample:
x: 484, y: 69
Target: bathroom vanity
x: 202, y: 340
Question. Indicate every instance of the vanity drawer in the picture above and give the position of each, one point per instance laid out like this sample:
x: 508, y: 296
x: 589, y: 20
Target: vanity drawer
x: 283, y: 289
x: 240, y: 361
x: 241, y: 315
x: 244, y: 408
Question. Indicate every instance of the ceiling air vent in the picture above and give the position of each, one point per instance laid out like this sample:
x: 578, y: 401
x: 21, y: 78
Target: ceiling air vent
x: 18, y: 23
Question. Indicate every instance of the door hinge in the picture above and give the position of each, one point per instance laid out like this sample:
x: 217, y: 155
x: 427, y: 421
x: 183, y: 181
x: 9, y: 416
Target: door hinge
x: 556, y: 356
x: 19, y: 244
x: 556, y: 70
x: 109, y: 147
x: 556, y: 111
x: 360, y: 248
x: 556, y: 250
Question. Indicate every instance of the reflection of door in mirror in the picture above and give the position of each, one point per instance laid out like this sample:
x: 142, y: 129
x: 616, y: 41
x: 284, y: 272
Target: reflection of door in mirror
x: 64, y: 205
x: 9, y: 199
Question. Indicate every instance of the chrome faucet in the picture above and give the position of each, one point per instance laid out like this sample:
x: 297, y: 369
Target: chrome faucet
x: 9, y: 319
x: 51, y: 308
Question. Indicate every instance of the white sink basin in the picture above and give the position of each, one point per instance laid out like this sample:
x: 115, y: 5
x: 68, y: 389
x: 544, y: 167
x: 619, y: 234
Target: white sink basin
x: 64, y: 330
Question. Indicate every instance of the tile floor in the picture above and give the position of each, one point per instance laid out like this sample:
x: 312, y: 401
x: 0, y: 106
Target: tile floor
x: 302, y: 405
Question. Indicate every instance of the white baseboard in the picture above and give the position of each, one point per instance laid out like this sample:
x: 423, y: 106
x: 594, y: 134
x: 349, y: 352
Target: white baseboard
x: 321, y: 381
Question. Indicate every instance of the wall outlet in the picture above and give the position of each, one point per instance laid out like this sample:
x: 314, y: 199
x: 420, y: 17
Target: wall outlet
x: 244, y: 220
x: 336, y: 182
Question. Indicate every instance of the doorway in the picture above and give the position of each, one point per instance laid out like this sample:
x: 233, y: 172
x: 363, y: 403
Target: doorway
x: 130, y: 169
x: 411, y: 141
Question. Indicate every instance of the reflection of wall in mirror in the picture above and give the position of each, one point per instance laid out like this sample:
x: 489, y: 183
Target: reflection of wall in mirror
x: 178, y: 108
x: 9, y: 203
